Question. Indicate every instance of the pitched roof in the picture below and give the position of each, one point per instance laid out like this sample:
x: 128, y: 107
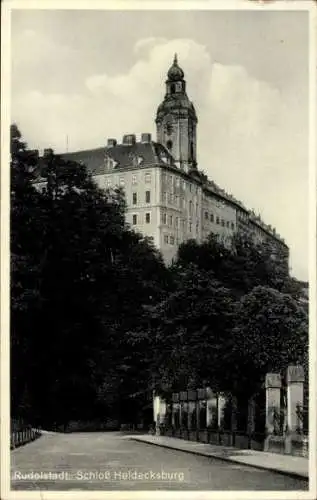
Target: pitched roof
x: 94, y: 159
x: 149, y: 154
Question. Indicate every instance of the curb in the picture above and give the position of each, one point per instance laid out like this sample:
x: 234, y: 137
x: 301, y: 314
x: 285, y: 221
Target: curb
x: 295, y: 475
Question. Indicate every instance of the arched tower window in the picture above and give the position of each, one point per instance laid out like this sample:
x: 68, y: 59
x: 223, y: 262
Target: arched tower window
x: 169, y: 144
x: 173, y: 88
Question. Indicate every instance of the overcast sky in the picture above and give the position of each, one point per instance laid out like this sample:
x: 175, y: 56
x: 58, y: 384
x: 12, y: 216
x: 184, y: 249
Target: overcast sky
x: 98, y: 74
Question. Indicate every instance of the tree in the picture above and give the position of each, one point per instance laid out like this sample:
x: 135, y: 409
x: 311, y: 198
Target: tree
x: 271, y: 332
x: 93, y: 276
x: 239, y: 263
x: 190, y: 331
x: 25, y: 271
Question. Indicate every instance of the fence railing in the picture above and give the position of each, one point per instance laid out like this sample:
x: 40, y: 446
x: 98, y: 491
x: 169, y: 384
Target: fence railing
x: 239, y: 429
x: 22, y: 433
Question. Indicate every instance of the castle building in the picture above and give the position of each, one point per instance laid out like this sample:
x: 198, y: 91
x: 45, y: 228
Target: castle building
x: 168, y: 198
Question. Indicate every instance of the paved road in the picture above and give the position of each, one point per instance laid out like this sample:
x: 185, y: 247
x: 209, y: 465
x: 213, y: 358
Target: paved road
x: 110, y: 461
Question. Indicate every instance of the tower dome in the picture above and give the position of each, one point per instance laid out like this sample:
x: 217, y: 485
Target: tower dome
x: 175, y: 73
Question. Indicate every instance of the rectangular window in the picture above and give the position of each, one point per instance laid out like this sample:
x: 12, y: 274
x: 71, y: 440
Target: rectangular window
x: 170, y: 198
x: 211, y: 217
x: 190, y: 227
x: 217, y: 220
x: 176, y: 221
x: 176, y: 200
x: 227, y: 223
x: 134, y: 181
x: 165, y: 238
x: 172, y: 240
x: 170, y: 220
x: 190, y: 207
x: 222, y: 222
x: 164, y: 218
x: 147, y: 177
x: 190, y: 188
x: 121, y: 181
x: 134, y: 198
x: 196, y: 208
x: 164, y: 197
x: 147, y: 196
x: 232, y: 225
x: 147, y: 218
x: 134, y: 219
x: 108, y: 183
x: 177, y: 181
x: 184, y: 185
x: 206, y: 215
x: 171, y: 180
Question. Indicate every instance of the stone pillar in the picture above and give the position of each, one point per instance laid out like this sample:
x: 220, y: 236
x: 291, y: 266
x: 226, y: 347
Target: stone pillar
x: 155, y: 406
x: 174, y: 405
x: 180, y: 413
x: 295, y: 397
x: 210, y: 397
x: 272, y: 399
x: 221, y: 406
x: 272, y: 404
x: 251, y: 418
x: 191, y: 410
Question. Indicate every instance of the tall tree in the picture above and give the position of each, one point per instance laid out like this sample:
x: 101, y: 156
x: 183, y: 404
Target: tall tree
x: 270, y: 332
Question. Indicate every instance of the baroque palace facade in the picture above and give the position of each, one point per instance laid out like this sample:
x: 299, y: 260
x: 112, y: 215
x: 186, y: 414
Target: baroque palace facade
x: 168, y: 199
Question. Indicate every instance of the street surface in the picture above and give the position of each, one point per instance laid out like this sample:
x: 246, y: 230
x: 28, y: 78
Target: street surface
x: 110, y: 461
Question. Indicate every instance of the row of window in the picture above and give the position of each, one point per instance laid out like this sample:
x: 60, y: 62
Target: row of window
x: 223, y: 223
x: 135, y: 219
x: 147, y: 197
x: 178, y: 201
x: 121, y: 181
x: 178, y: 182
x: 169, y: 239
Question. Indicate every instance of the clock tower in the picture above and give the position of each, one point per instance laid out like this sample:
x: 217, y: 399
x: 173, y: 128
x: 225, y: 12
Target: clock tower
x: 176, y: 120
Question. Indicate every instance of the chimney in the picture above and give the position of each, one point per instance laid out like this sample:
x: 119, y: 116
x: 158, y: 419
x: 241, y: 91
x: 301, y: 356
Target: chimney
x: 146, y: 138
x: 111, y: 143
x: 128, y: 140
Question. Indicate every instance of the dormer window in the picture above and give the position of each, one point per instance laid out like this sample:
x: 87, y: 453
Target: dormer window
x: 109, y: 162
x: 135, y: 159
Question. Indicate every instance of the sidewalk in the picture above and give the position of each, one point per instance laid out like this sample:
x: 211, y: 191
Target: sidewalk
x: 284, y: 464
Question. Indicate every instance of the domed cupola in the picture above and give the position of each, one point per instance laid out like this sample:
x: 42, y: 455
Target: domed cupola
x: 176, y: 119
x: 175, y: 73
